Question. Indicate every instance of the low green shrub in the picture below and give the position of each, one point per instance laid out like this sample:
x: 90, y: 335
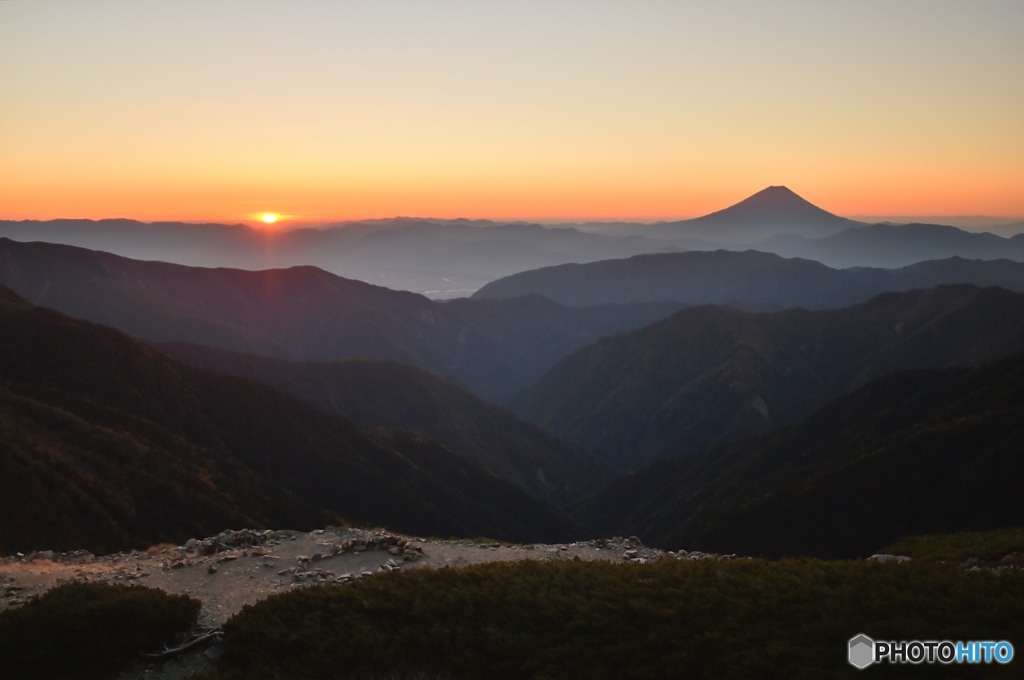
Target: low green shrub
x: 959, y: 546
x: 733, y: 619
x: 89, y: 630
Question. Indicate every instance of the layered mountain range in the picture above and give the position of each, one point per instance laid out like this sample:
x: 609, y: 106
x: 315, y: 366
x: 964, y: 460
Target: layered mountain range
x: 910, y: 453
x: 453, y: 258
x: 749, y: 279
x: 493, y: 348
x: 442, y: 258
x: 734, y: 400
x: 708, y: 374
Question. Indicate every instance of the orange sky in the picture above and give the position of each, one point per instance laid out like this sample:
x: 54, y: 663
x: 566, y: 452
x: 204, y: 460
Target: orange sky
x: 649, y: 110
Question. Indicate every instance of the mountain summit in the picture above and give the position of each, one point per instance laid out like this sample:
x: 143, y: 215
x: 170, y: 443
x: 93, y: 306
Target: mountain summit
x: 774, y: 197
x: 770, y: 212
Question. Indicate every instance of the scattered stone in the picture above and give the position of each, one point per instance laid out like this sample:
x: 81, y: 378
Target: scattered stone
x: 885, y: 558
x: 1015, y: 559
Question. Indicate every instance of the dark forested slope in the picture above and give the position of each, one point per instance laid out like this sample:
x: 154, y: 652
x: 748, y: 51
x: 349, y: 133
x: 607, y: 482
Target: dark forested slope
x: 913, y: 452
x: 109, y: 444
x: 711, y: 374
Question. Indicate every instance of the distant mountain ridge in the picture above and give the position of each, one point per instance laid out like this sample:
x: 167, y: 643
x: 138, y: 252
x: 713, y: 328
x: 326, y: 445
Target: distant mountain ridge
x: 772, y: 211
x: 451, y: 258
x: 749, y: 278
x: 710, y: 374
x: 442, y: 258
x: 779, y: 221
x: 897, y: 245
x: 1004, y: 226
x: 492, y: 347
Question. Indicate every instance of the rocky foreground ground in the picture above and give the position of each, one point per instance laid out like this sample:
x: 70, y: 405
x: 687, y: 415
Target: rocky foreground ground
x: 235, y: 568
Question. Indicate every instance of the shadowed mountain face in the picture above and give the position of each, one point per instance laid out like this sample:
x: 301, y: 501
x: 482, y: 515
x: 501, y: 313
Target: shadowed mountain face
x: 911, y: 453
x: 749, y: 279
x: 710, y: 374
x: 770, y: 212
x: 109, y: 444
x: 491, y: 347
x: 395, y: 395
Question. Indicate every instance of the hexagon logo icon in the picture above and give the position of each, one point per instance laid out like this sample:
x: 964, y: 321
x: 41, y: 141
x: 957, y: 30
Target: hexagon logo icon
x: 862, y: 651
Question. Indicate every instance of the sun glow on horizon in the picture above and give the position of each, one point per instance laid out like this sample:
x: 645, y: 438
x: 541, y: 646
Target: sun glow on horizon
x: 269, y: 218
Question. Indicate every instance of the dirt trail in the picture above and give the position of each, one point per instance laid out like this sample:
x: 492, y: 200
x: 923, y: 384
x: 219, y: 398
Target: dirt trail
x: 226, y: 577
x: 236, y: 568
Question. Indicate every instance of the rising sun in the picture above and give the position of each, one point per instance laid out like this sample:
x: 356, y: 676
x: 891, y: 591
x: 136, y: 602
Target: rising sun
x: 269, y: 218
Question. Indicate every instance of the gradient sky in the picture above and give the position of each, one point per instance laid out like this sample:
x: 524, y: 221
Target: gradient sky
x: 562, y: 109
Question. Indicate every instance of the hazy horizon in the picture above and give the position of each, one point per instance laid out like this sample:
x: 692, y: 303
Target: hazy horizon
x: 282, y: 222
x: 966, y: 222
